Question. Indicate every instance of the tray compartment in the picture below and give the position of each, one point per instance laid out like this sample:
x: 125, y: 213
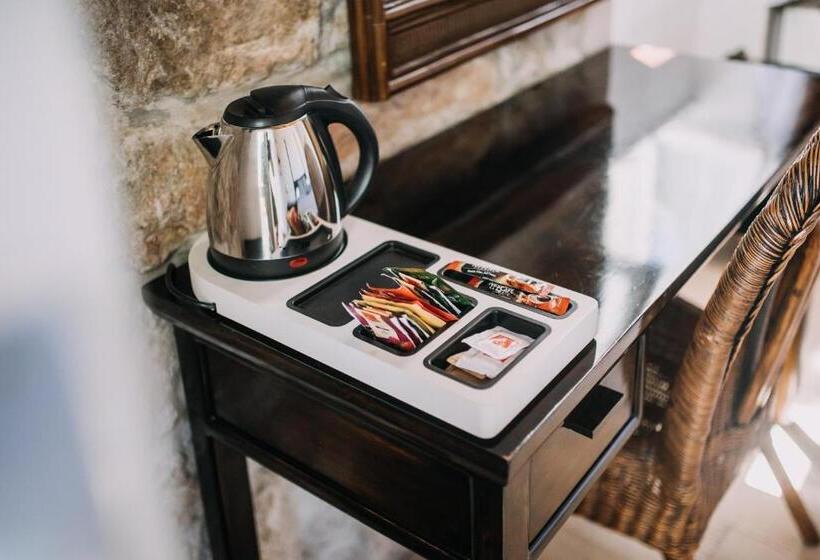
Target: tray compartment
x: 495, y: 316
x: 363, y: 333
x: 457, y: 281
x: 323, y: 300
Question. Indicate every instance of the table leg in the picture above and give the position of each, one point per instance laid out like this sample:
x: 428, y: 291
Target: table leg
x: 226, y: 495
x: 222, y: 471
x: 808, y: 531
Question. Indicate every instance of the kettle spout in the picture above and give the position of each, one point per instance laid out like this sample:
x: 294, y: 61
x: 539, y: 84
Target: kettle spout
x: 211, y: 143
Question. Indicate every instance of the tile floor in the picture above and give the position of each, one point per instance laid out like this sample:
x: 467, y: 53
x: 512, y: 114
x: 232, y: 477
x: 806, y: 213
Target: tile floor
x: 752, y: 522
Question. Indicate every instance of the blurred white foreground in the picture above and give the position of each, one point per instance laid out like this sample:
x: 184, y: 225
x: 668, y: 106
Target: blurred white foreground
x: 76, y: 479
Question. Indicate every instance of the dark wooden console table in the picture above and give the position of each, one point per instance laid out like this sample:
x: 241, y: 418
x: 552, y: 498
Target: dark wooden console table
x: 613, y: 179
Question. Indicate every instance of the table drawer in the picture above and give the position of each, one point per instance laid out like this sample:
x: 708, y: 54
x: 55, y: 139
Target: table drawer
x: 362, y: 468
x: 562, y: 467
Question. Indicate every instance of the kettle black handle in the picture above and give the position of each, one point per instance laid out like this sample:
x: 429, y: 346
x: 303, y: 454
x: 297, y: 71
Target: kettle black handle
x: 332, y: 107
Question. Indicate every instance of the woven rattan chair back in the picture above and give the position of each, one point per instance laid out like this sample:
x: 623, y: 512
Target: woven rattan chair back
x: 663, y: 487
x: 758, y: 263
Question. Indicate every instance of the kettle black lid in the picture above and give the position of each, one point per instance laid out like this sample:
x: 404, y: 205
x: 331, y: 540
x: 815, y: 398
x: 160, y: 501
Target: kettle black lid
x: 274, y: 105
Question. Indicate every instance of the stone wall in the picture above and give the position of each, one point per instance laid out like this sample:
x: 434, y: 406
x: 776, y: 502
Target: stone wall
x: 172, y: 66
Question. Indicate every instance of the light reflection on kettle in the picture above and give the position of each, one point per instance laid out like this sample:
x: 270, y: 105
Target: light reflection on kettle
x: 275, y: 191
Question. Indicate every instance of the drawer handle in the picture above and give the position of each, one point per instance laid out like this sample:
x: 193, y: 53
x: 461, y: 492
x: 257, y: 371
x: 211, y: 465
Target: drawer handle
x: 590, y: 412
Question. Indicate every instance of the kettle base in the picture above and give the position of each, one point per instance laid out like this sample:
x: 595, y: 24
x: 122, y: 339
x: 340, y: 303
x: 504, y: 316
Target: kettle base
x: 248, y: 269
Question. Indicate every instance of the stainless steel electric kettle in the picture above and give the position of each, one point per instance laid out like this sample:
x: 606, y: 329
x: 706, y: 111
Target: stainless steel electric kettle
x: 275, y: 192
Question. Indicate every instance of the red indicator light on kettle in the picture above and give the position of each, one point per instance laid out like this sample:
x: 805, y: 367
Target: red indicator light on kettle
x: 298, y: 262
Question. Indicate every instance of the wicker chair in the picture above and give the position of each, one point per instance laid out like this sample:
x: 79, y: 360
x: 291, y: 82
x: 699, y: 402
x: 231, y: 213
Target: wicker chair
x: 714, y: 378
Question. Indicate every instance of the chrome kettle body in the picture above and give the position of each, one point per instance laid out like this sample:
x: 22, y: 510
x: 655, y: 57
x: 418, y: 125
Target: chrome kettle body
x: 275, y: 193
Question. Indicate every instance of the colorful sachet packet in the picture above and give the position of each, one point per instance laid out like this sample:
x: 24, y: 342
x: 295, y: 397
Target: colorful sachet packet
x: 405, y: 316
x: 518, y: 289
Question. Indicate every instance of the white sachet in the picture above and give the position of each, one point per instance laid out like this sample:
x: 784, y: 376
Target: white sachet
x: 474, y: 362
x: 498, y: 343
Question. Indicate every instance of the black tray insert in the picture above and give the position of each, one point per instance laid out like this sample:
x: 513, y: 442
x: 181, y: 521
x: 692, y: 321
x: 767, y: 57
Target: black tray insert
x: 323, y: 300
x: 495, y: 316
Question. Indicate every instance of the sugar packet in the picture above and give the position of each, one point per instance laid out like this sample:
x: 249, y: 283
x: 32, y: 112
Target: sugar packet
x: 498, y: 343
x: 476, y: 363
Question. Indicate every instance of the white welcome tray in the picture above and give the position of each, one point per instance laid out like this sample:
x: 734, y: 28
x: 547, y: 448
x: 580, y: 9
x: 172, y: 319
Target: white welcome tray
x: 263, y: 306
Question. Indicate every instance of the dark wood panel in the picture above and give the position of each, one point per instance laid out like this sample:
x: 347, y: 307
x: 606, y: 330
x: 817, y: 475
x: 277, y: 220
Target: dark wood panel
x: 396, y: 44
x: 433, y: 33
x: 222, y: 471
x: 412, y: 490
x: 566, y: 457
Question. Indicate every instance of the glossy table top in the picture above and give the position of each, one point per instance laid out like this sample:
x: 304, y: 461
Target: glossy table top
x: 613, y: 179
